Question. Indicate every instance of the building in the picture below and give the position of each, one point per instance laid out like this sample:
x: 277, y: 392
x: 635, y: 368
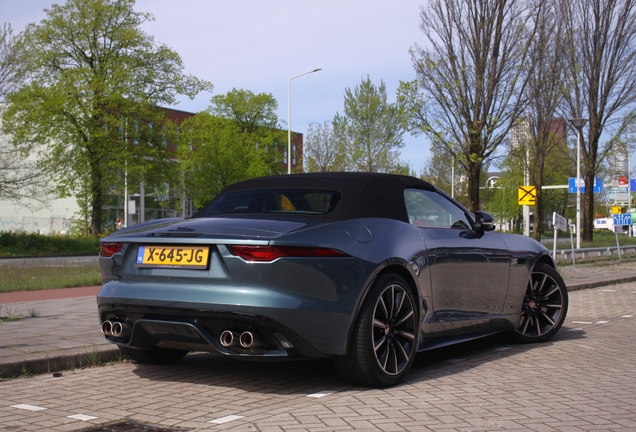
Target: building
x: 58, y: 215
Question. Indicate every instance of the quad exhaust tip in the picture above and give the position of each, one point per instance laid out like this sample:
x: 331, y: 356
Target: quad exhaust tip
x: 229, y: 338
x: 232, y: 339
x: 247, y: 339
x: 117, y: 329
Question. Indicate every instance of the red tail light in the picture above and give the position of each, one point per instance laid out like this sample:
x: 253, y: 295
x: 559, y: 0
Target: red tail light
x: 109, y: 249
x: 270, y: 253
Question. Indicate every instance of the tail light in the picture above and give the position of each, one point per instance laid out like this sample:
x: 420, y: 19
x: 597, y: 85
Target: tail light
x: 271, y: 253
x: 109, y: 249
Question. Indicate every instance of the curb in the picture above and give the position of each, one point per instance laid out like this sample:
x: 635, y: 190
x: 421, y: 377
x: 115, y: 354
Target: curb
x: 596, y: 284
x: 48, y: 362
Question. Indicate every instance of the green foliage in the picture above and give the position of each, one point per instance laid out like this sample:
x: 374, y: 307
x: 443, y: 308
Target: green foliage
x: 20, y: 244
x: 249, y: 111
x: 94, y: 82
x: 236, y: 141
x: 322, y: 152
x: 371, y: 129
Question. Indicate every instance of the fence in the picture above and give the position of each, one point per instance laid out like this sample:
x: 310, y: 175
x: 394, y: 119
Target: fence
x: 566, y: 254
x: 41, y: 225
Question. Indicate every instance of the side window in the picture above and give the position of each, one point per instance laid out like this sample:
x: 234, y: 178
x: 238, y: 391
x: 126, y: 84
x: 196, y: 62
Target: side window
x: 428, y: 209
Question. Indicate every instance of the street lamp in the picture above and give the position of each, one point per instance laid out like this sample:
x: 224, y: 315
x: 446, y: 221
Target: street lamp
x: 578, y: 124
x: 289, y: 116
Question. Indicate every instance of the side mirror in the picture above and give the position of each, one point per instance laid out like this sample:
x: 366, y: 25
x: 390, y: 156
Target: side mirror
x: 484, y: 222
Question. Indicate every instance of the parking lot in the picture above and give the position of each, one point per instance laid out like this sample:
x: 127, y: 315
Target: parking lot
x: 582, y: 380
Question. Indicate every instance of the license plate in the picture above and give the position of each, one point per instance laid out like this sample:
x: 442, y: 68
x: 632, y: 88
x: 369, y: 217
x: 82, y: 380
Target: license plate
x: 190, y: 257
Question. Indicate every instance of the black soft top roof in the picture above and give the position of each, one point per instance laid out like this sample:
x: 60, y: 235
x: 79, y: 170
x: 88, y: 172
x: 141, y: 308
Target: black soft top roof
x: 364, y: 195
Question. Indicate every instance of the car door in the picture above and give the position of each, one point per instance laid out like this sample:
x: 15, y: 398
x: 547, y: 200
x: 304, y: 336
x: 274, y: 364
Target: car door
x: 469, y: 270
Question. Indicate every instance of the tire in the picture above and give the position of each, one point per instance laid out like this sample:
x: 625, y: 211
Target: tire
x: 155, y: 355
x: 384, y: 339
x: 545, y: 305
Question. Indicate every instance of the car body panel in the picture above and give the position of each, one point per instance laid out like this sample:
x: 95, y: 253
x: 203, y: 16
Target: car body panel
x: 467, y: 283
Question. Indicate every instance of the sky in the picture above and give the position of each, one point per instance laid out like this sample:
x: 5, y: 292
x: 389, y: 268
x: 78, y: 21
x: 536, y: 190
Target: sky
x: 258, y: 45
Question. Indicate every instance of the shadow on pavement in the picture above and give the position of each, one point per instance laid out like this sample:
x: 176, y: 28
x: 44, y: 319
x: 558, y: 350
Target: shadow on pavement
x: 293, y: 377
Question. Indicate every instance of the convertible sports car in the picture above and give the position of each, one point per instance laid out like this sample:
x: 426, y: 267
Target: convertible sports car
x: 366, y: 268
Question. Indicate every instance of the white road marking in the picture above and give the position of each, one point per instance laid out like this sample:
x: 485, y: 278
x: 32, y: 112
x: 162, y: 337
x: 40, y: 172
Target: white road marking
x: 321, y: 393
x: 575, y: 329
x: 609, y: 290
x: 28, y: 407
x: 627, y: 316
x: 225, y: 419
x: 502, y: 348
x: 82, y: 417
x: 581, y: 322
x: 602, y: 322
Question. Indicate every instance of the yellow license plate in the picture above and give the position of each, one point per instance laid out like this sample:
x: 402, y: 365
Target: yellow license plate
x: 191, y: 257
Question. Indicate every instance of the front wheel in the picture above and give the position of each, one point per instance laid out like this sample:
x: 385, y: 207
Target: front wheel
x: 544, y: 307
x: 384, y: 340
x: 155, y: 355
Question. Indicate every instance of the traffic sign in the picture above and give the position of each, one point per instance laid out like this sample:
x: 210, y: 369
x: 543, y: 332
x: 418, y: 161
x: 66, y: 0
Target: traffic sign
x: 623, y: 219
x: 527, y: 195
x: 559, y: 221
x: 596, y: 188
x: 617, y: 210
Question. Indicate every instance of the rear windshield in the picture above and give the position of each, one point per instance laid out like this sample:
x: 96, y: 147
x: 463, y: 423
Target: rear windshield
x: 293, y: 201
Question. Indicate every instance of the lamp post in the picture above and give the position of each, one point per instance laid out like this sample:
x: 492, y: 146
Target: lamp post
x: 578, y: 124
x: 289, y: 116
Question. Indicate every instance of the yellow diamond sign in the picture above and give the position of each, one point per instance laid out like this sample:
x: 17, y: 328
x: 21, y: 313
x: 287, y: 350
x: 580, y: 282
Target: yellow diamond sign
x: 527, y: 195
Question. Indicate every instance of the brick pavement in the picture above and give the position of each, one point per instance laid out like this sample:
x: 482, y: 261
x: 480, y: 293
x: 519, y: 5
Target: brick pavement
x: 582, y: 380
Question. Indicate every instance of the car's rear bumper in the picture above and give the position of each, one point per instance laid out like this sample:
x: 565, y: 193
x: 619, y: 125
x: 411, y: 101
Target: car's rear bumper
x: 194, y: 316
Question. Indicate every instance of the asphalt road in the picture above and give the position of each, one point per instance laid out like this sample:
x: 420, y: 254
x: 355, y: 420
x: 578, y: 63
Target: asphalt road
x: 582, y: 380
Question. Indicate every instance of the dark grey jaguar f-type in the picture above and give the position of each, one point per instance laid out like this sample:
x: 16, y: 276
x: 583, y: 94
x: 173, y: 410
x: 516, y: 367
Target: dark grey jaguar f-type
x: 366, y: 268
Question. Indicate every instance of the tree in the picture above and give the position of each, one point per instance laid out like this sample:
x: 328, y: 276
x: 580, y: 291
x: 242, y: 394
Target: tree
x: 545, y: 135
x: 251, y: 112
x: 371, y: 128
x: 10, y: 63
x: 94, y: 84
x: 600, y: 38
x: 322, y: 151
x: 218, y: 154
x: 20, y: 177
x: 235, y: 140
x: 471, y: 85
x: 438, y: 170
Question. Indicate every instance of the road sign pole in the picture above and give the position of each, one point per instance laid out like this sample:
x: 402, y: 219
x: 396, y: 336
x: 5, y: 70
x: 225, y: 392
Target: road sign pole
x: 618, y: 246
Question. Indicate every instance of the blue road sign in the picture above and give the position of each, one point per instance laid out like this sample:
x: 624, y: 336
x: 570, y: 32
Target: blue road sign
x: 597, y: 188
x: 632, y: 185
x: 623, y: 219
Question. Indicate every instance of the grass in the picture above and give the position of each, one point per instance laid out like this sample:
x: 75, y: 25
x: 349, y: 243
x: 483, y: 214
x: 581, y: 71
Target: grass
x: 40, y: 278
x: 602, y: 238
x: 20, y: 244
x: 8, y: 313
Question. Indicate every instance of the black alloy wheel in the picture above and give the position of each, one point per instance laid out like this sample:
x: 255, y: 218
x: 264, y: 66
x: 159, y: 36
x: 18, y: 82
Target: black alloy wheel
x: 544, y: 307
x: 384, y: 341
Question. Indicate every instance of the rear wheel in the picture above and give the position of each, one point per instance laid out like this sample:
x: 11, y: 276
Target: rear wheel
x: 384, y: 340
x: 155, y: 355
x: 544, y: 307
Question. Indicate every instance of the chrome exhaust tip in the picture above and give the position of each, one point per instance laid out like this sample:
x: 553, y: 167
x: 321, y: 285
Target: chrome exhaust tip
x: 247, y: 339
x: 107, y: 328
x: 120, y: 330
x: 228, y: 338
